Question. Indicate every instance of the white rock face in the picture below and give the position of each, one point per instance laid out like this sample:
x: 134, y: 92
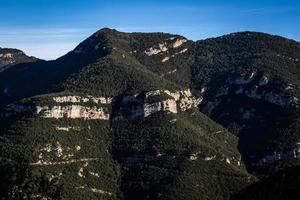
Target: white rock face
x: 179, y: 100
x: 154, y: 51
x: 6, y: 55
x: 209, y: 158
x: 189, y: 102
x: 183, y: 51
x: 79, y: 99
x: 175, y: 95
x: 67, y: 129
x: 57, y: 112
x: 100, y: 191
x: 152, y: 108
x: 70, y: 99
x: 185, y: 99
x: 170, y: 105
x: 74, y: 112
x: 283, y: 99
x: 167, y: 105
x: 165, y: 59
x: 179, y: 42
x: 165, y: 46
x: 65, y: 162
x: 8, y: 58
x: 228, y: 160
x: 153, y: 93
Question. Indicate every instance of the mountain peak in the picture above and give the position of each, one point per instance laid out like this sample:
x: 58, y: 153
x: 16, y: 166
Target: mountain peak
x: 107, y: 30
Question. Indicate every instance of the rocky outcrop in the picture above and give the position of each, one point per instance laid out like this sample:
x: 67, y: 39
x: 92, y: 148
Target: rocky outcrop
x: 73, y: 112
x: 257, y: 87
x: 68, y: 128
x: 134, y: 106
x: 156, y: 50
x: 165, y: 59
x: 178, y: 42
x: 165, y: 46
x: 138, y: 105
x: 80, y: 99
x: 13, y: 56
x: 9, y: 58
x: 168, y: 105
x: 57, y: 112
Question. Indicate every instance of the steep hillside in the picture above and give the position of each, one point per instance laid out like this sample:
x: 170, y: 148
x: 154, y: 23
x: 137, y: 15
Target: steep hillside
x: 101, y: 65
x: 252, y: 87
x: 282, y: 185
x: 66, y: 147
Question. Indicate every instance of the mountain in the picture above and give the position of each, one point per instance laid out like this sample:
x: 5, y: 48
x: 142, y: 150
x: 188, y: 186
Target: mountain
x: 151, y: 116
x: 9, y: 57
x: 254, y: 93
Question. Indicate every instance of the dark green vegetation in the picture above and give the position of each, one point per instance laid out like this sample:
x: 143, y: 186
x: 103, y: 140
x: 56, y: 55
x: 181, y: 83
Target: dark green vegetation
x: 65, y: 172
x: 283, y: 185
x: 157, y: 154
x: 163, y: 156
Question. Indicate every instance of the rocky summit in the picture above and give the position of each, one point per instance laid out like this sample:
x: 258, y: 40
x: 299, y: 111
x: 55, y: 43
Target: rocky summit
x: 152, y: 116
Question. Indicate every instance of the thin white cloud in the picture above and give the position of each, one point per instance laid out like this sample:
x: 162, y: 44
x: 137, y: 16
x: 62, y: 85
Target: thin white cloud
x: 271, y: 10
x: 254, y: 10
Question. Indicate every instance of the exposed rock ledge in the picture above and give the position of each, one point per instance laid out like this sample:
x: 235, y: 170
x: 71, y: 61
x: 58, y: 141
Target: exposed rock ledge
x: 79, y: 99
x: 136, y: 106
x: 257, y: 87
x: 178, y: 100
x: 172, y: 42
x: 71, y: 111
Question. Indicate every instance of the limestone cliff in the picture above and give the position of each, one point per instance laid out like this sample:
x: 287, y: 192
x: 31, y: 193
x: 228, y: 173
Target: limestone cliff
x: 139, y: 105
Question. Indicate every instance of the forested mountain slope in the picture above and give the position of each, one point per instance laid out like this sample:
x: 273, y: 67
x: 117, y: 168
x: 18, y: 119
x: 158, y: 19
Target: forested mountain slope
x: 135, y: 115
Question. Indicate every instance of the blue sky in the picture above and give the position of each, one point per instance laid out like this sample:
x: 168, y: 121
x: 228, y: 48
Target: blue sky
x: 50, y: 28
